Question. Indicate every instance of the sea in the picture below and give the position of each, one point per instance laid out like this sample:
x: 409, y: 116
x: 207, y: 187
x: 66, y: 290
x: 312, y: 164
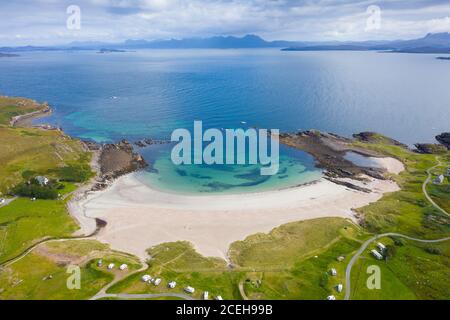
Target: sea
x: 149, y: 93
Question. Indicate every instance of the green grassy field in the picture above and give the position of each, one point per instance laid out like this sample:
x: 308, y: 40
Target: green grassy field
x: 407, y: 211
x: 24, y: 222
x: 43, y: 273
x: 412, y: 273
x: 440, y: 193
x: 179, y: 262
x: 287, y: 244
x: 25, y: 153
x: 37, y: 152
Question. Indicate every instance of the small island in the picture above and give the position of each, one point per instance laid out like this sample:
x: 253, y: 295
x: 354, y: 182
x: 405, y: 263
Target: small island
x: 443, y: 58
x: 103, y: 50
x: 8, y: 55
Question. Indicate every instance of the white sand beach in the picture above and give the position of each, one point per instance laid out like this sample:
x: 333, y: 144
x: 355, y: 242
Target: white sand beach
x: 139, y: 217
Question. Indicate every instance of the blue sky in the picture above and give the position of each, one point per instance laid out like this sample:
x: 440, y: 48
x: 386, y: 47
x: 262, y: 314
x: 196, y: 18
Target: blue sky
x: 44, y: 21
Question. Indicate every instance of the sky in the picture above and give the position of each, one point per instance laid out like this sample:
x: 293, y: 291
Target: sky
x: 45, y: 22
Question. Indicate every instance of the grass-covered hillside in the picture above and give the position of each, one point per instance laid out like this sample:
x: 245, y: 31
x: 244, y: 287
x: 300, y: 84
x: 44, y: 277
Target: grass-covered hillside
x: 25, y: 154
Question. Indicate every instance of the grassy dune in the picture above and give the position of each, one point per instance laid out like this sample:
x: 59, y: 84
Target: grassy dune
x: 287, y: 244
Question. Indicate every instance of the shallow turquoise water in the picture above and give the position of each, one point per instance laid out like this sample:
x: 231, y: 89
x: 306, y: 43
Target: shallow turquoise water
x: 295, y: 168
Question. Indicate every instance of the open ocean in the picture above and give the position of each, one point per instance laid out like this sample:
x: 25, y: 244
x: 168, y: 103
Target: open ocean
x: 149, y: 93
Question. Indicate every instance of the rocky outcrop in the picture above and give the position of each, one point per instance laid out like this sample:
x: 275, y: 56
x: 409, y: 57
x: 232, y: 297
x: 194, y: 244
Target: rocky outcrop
x: 114, y: 160
x: 444, y: 139
x: 148, y: 142
x: 430, y: 148
x: 373, y: 137
x: 119, y: 159
x: 349, y: 185
x: 329, y: 151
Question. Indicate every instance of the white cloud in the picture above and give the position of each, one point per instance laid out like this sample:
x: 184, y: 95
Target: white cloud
x: 43, y: 21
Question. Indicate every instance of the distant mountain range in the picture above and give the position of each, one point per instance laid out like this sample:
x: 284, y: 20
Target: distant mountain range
x: 431, y: 43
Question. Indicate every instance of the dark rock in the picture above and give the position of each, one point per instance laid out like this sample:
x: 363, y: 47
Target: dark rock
x: 349, y: 185
x: 140, y: 144
x: 429, y: 148
x: 444, y: 139
x: 329, y: 151
x: 373, y: 137
x: 119, y: 159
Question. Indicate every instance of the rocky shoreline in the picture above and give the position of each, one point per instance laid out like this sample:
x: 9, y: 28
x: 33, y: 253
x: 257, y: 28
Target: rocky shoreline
x: 25, y: 120
x: 149, y: 142
x: 329, y: 151
x: 114, y: 160
x: 110, y: 161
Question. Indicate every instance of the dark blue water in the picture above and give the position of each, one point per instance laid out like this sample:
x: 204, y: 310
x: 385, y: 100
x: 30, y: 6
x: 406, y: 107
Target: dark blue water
x: 134, y: 95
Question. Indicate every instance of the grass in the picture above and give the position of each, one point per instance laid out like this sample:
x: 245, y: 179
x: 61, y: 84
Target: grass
x: 29, y: 278
x: 24, y: 222
x: 406, y: 211
x: 412, y: 273
x: 25, y: 153
x: 302, y: 254
x: 287, y: 244
x: 36, y: 151
x: 178, y: 261
x: 307, y: 279
x: 440, y: 194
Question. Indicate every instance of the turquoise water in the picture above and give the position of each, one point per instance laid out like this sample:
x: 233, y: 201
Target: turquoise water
x: 295, y: 168
x: 149, y: 93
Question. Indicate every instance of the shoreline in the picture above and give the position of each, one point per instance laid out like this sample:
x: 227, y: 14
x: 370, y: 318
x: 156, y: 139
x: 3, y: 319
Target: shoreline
x: 26, y: 120
x: 139, y: 217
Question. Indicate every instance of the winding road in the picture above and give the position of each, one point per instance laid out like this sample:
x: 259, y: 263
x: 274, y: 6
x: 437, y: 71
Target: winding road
x: 142, y: 296
x: 348, y: 270
x: 424, y: 188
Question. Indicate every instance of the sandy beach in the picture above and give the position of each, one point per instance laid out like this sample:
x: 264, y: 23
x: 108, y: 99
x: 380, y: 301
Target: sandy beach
x: 139, y: 217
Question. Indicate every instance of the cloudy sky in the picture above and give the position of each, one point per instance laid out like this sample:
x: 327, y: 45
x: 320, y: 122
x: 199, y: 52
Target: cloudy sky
x: 43, y: 22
